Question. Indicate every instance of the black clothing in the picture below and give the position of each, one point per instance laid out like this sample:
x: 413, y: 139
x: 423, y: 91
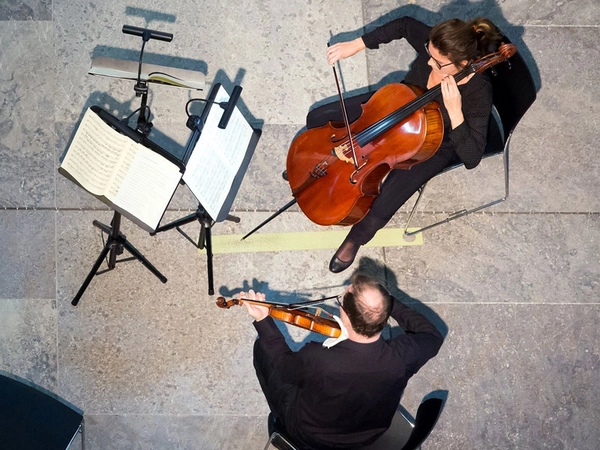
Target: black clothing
x: 346, y: 395
x: 465, y: 143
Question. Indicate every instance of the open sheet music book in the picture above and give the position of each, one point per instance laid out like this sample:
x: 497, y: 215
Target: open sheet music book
x: 129, y: 177
x: 220, y: 158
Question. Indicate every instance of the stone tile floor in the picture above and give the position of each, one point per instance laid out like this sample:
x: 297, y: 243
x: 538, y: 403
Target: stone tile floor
x: 158, y: 366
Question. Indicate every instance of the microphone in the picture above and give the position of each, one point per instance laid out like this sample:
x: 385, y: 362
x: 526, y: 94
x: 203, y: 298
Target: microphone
x: 151, y: 34
x: 230, y: 106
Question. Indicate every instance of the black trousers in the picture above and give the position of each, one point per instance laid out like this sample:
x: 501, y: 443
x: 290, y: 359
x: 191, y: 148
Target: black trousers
x: 280, y: 396
x: 399, y: 185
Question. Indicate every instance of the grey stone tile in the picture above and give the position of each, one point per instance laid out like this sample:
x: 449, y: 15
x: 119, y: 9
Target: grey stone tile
x: 263, y: 187
x: 583, y: 12
x: 27, y: 254
x: 28, y: 340
x: 517, y: 376
x: 26, y: 128
x: 504, y: 258
x: 112, y: 356
x: 552, y: 168
x: 250, y: 47
x: 26, y: 10
x: 183, y: 432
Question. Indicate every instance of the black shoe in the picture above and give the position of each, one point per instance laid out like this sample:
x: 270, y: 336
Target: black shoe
x: 284, y: 175
x: 336, y: 265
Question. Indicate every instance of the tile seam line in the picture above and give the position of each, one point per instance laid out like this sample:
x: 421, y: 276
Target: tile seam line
x: 484, y: 213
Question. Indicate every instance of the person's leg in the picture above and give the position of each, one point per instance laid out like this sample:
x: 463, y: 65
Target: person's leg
x: 397, y: 188
x: 279, y: 395
x: 332, y: 112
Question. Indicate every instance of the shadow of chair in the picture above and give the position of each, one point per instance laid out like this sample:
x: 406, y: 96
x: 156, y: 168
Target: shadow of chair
x: 32, y: 418
x: 403, y: 433
x: 513, y: 93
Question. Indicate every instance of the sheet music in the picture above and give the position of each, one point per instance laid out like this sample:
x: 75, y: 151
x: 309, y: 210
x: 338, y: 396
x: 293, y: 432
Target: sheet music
x: 110, y: 165
x: 217, y: 157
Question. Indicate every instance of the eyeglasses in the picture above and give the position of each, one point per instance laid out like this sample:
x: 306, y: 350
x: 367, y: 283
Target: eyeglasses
x: 340, y: 304
x: 439, y: 66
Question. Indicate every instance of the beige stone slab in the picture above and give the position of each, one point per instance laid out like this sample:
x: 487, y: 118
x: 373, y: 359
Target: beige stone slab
x: 182, y: 432
x: 136, y: 346
x: 26, y: 127
x: 28, y: 340
x: 278, y: 66
x: 509, y: 12
x: 27, y: 254
x: 517, y: 376
x: 514, y: 258
x: 26, y: 10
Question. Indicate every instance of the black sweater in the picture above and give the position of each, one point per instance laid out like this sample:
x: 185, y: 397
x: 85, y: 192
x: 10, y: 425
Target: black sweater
x: 347, y: 395
x: 468, y: 139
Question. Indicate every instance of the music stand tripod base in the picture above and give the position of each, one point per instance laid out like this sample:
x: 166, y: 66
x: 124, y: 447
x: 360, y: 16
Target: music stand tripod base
x: 115, y: 244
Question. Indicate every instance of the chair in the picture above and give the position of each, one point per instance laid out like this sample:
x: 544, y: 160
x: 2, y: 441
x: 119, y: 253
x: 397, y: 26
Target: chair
x: 32, y: 418
x: 513, y: 93
x: 403, y: 434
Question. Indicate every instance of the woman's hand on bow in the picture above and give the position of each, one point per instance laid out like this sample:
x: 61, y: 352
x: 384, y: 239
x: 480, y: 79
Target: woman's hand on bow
x: 343, y: 50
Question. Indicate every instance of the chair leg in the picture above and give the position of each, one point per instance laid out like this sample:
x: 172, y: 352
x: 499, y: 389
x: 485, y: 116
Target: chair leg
x: 463, y: 212
x: 279, y: 442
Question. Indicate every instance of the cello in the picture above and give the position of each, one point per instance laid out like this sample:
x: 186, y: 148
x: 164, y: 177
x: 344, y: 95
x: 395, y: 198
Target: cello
x: 335, y: 171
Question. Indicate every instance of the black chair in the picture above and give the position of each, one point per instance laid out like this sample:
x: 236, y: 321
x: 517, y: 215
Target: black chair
x: 403, y: 434
x: 32, y: 418
x: 513, y: 93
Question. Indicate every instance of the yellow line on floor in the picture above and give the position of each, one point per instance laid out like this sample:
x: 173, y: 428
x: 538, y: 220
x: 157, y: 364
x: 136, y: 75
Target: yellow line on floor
x: 308, y: 240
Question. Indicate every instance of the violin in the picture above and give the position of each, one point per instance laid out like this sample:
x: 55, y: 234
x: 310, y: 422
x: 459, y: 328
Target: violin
x: 335, y: 171
x: 302, y: 319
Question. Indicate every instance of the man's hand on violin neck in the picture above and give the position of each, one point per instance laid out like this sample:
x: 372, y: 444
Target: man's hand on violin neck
x: 258, y: 312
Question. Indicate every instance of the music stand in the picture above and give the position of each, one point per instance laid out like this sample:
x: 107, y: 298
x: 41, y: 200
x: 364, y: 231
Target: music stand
x: 116, y: 241
x: 239, y: 142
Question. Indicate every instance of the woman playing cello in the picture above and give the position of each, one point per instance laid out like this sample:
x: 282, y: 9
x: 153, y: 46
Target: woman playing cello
x: 443, y: 51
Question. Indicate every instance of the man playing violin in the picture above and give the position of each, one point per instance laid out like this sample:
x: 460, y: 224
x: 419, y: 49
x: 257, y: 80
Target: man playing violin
x: 342, y: 394
x: 442, y: 51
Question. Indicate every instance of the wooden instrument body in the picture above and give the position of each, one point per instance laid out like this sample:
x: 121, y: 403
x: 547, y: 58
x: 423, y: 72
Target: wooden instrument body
x: 320, y: 168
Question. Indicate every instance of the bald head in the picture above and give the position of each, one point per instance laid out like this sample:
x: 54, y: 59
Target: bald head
x: 367, y: 304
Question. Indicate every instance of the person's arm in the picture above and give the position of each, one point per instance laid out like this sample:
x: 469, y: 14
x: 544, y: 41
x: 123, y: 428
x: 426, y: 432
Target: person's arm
x: 469, y: 135
x: 415, y: 32
x: 422, y: 340
x: 272, y: 341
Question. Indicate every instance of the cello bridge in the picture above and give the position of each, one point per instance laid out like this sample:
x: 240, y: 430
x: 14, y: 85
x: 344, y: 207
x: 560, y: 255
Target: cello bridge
x: 339, y: 153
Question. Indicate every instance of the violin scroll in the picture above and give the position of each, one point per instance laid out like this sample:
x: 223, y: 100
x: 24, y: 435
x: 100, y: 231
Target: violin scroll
x: 226, y: 304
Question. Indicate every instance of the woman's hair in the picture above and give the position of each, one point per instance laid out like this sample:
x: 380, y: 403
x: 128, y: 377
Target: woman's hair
x: 461, y: 41
x: 367, y: 318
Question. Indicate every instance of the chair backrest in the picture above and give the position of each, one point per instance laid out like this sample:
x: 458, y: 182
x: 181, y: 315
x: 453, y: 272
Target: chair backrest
x: 427, y: 416
x: 513, y: 94
x: 33, y: 418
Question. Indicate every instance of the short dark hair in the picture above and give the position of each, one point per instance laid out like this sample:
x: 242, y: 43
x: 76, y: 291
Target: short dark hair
x: 367, y: 320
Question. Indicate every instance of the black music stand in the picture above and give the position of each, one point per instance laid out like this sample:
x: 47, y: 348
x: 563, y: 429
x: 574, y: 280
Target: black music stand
x: 197, y: 125
x: 116, y: 241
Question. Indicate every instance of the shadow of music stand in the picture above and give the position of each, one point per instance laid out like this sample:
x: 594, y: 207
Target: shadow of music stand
x: 117, y: 242
x: 207, y: 122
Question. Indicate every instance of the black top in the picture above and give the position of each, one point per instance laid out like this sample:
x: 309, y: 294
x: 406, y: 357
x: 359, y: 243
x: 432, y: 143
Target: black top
x: 468, y: 140
x: 347, y: 395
